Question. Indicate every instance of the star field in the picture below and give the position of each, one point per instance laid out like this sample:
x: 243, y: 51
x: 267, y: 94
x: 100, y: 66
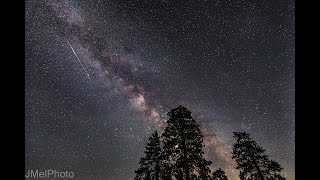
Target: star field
x: 102, y: 75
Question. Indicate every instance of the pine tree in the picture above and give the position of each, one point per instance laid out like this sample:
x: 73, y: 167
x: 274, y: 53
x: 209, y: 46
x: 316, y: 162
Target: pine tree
x: 203, y: 169
x: 219, y: 175
x: 182, y: 141
x: 251, y: 160
x: 151, y: 164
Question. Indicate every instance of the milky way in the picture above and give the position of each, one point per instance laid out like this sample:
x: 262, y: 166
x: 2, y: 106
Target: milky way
x: 102, y: 75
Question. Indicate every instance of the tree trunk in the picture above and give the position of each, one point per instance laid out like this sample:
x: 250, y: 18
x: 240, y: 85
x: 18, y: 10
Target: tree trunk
x: 258, y: 169
x: 157, y: 170
x: 185, y: 155
x: 186, y: 164
x: 256, y: 165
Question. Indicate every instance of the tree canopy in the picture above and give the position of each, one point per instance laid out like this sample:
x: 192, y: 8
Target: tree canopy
x: 252, y: 161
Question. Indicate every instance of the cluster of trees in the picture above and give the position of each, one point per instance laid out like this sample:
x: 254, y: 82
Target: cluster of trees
x: 177, y: 154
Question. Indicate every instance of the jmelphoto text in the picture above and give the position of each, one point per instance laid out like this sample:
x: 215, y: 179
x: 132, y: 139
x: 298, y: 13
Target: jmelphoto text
x: 48, y: 174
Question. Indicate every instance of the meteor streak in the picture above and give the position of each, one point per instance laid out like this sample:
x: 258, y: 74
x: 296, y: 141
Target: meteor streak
x: 79, y: 60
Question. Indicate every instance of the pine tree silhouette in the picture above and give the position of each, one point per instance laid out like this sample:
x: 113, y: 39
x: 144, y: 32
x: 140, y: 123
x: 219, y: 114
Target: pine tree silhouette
x: 219, y: 175
x: 151, y: 164
x: 251, y: 160
x: 182, y: 149
x: 204, y: 170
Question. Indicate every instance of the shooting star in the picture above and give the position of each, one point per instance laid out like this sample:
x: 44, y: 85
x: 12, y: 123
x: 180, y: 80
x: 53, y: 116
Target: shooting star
x: 79, y: 60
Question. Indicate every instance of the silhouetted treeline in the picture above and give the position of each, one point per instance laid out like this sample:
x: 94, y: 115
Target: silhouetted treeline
x: 177, y: 154
x: 251, y: 160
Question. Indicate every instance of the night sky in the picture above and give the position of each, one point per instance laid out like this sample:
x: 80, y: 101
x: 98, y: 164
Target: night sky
x: 101, y: 76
